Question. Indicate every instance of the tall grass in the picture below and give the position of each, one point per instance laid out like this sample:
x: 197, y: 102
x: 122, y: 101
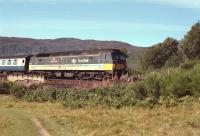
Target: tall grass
x: 175, y: 82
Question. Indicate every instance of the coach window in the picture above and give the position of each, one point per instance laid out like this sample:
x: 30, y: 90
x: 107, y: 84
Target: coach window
x: 91, y: 58
x: 14, y: 62
x: 3, y: 62
x: 9, y: 62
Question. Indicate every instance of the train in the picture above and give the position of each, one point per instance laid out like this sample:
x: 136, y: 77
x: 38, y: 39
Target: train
x: 83, y: 64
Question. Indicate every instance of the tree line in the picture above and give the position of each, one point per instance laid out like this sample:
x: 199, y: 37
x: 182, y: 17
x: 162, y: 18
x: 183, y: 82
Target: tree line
x: 171, y: 52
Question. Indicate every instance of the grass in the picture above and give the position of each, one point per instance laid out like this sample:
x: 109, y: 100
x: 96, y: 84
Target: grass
x: 20, y: 115
x: 14, y: 122
x: 15, y: 119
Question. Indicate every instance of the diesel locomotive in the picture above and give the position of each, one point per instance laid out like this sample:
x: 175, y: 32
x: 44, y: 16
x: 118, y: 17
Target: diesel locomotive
x: 87, y: 64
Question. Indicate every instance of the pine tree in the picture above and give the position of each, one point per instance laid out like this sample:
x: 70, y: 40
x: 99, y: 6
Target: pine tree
x: 191, y: 42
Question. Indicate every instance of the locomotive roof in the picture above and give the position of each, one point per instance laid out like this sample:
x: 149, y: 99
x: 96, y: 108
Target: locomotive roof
x: 63, y: 53
x: 77, y: 52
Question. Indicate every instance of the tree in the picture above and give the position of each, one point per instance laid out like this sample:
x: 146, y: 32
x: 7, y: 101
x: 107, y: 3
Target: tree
x: 170, y: 47
x: 152, y: 57
x: 124, y: 50
x: 157, y: 55
x: 191, y: 42
x: 175, y: 60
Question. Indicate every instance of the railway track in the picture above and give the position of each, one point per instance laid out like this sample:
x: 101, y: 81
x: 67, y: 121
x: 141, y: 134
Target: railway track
x: 58, y: 83
x: 63, y: 83
x: 83, y: 84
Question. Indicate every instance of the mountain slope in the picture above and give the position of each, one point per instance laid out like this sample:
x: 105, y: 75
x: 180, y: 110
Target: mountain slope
x: 25, y: 46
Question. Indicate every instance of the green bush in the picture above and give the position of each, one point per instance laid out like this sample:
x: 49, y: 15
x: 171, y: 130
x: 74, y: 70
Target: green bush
x: 177, y: 84
x: 108, y: 97
x: 135, y: 72
x: 175, y: 60
x: 152, y: 84
x: 17, y: 90
x: 174, y: 82
x: 189, y: 64
x: 40, y: 95
x: 168, y: 87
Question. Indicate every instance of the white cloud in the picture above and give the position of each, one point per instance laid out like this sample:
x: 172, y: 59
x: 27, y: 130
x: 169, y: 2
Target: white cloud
x: 29, y: 1
x: 92, y: 25
x: 177, y: 3
x: 102, y: 30
x: 60, y: 0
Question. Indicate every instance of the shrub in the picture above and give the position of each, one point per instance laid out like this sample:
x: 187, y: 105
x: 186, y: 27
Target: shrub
x: 17, y: 90
x: 189, y: 64
x: 168, y: 87
x: 176, y: 59
x: 152, y: 84
x: 40, y: 95
x: 135, y: 72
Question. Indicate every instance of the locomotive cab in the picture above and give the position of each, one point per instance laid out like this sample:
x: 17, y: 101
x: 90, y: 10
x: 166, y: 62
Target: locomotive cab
x: 119, y: 62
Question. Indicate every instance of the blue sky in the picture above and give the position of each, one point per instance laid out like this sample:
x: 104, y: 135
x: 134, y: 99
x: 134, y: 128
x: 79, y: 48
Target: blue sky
x: 138, y: 22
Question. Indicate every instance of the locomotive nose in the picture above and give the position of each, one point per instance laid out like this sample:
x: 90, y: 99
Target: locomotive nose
x: 119, y: 66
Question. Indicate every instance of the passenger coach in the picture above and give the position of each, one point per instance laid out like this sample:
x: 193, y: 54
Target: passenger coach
x: 14, y: 63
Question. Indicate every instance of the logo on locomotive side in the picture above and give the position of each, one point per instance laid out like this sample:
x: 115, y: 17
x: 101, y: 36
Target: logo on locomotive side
x: 83, y: 60
x: 54, y: 60
x: 74, y: 61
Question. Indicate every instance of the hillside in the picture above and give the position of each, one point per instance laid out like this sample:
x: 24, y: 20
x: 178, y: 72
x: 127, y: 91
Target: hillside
x: 24, y: 46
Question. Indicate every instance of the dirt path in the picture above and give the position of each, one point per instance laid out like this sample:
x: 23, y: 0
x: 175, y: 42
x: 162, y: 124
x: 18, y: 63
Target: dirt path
x: 42, y: 130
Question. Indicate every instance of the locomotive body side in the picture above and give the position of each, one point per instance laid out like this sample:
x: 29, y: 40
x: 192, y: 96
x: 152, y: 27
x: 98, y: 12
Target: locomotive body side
x: 84, y: 61
x: 80, y: 64
x: 70, y: 63
x: 95, y: 64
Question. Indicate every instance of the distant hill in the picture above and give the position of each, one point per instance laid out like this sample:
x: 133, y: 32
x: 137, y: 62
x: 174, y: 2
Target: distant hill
x: 25, y: 46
